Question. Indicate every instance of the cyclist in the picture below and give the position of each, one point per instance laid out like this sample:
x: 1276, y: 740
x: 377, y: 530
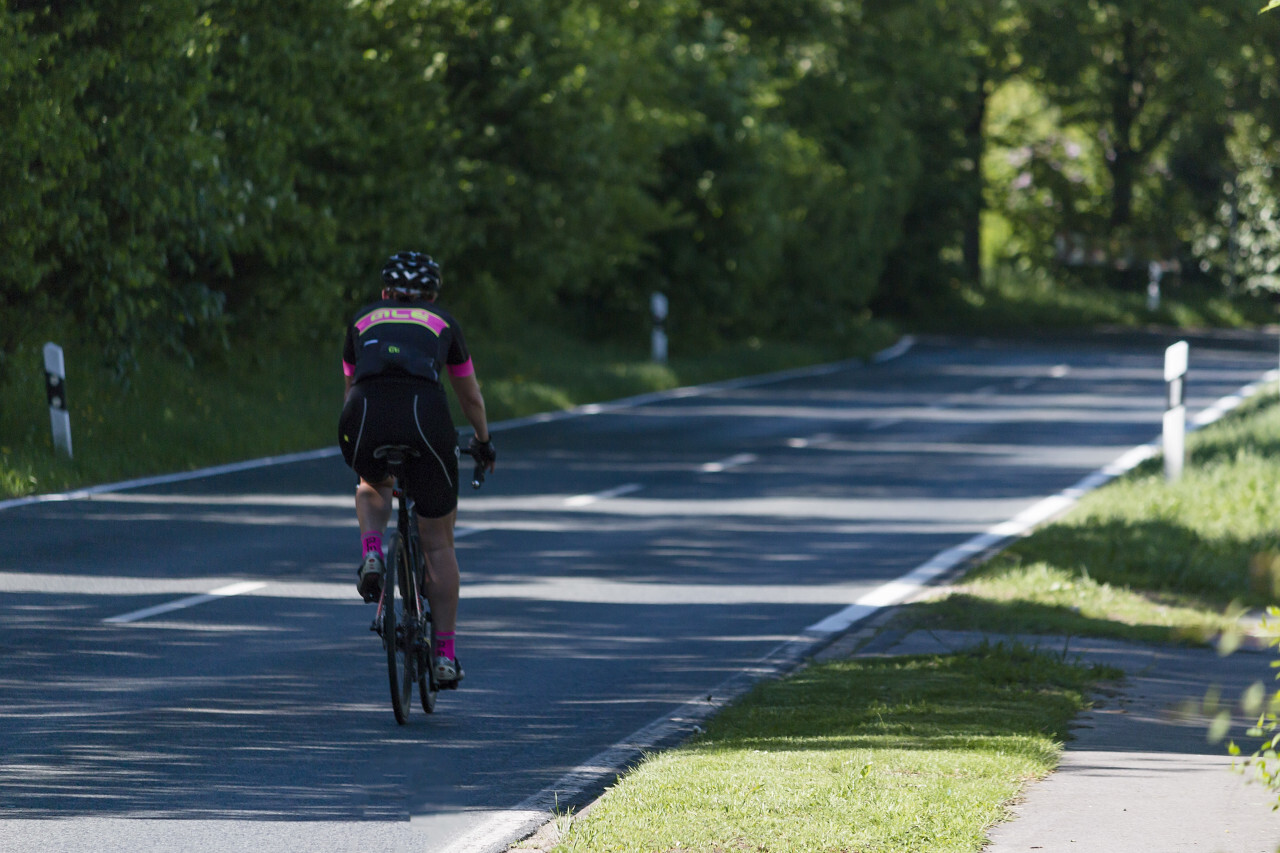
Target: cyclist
x: 395, y: 352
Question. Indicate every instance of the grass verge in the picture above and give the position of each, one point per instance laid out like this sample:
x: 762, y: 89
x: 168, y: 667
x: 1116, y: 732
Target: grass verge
x: 1141, y: 558
x: 1014, y: 301
x: 176, y: 415
x: 885, y: 754
x: 914, y: 754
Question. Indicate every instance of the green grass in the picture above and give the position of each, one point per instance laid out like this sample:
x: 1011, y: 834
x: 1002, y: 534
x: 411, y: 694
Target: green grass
x: 873, y: 754
x: 1143, y: 558
x: 1012, y: 301
x: 260, y: 400
x: 171, y: 417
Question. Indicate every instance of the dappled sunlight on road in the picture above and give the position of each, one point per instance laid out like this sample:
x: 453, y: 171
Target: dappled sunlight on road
x: 624, y: 564
x: 544, y: 588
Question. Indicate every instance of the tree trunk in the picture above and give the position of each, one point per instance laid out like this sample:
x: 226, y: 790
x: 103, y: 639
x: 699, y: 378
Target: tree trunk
x: 1126, y: 104
x: 976, y: 143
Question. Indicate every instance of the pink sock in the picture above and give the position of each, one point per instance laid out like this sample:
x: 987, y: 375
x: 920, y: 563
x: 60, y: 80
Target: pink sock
x: 444, y: 643
x: 372, y: 542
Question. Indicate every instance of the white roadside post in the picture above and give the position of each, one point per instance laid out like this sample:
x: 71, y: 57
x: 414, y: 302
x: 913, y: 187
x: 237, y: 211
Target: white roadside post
x: 658, y: 305
x: 55, y: 380
x: 1175, y: 415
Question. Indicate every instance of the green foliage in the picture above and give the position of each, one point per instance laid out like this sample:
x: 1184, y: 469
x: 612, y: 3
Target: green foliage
x: 199, y: 170
x: 157, y: 158
x: 553, y: 119
x: 1263, y: 763
x: 194, y: 173
x: 1111, y: 134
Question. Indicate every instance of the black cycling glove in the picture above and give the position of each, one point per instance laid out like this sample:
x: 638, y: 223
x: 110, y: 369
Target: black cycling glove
x: 483, y: 452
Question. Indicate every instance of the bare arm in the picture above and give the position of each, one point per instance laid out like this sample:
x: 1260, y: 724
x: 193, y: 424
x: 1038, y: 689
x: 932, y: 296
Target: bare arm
x: 467, y: 390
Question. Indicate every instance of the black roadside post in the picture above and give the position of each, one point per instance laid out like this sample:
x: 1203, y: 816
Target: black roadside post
x: 55, y: 380
x: 1175, y: 415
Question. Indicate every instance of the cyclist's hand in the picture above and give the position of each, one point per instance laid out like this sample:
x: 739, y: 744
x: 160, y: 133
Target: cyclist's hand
x: 483, y: 453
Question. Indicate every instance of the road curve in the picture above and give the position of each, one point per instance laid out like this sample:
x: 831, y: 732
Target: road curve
x: 185, y: 661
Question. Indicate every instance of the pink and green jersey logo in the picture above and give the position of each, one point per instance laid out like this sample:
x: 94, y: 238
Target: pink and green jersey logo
x: 416, y: 316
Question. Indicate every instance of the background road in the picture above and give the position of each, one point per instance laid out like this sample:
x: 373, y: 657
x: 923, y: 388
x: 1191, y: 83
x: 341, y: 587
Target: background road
x: 620, y: 563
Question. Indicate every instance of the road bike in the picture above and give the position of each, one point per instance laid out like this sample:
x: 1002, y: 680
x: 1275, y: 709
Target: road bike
x: 404, y: 624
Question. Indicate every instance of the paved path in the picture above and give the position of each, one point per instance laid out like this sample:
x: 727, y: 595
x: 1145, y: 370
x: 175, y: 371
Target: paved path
x: 1139, y: 775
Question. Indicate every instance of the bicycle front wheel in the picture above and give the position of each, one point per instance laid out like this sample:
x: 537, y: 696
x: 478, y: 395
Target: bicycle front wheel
x: 398, y: 634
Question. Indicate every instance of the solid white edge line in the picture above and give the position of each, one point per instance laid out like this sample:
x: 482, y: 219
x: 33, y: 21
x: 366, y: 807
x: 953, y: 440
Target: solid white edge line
x: 901, y: 347
x: 497, y: 833
x: 904, y: 343
x: 165, y: 479
x: 191, y: 601
x: 899, y: 590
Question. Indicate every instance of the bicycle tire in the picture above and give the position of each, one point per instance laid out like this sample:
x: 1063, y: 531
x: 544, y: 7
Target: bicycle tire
x: 397, y: 632
x: 422, y: 640
x: 428, y: 689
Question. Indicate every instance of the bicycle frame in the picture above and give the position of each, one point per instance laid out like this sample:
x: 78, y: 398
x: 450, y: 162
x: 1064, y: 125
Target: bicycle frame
x: 409, y: 636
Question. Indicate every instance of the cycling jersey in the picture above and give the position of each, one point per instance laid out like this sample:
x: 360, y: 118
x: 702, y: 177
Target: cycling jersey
x: 394, y: 353
x: 412, y: 340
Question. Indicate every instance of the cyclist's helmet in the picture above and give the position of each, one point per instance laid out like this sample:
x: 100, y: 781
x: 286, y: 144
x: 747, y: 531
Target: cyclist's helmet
x: 410, y: 275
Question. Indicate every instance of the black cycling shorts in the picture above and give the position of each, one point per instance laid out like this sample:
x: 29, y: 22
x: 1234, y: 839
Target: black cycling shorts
x: 381, y: 411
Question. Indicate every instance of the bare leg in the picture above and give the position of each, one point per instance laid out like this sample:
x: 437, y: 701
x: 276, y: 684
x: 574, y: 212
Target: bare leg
x: 444, y: 577
x: 373, y: 506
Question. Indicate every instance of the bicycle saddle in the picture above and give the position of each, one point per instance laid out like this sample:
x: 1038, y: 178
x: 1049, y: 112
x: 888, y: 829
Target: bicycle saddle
x: 395, y: 454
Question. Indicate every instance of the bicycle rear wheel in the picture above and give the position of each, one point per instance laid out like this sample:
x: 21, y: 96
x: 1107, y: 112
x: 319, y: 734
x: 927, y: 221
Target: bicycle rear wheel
x: 398, y: 624
x: 427, y: 687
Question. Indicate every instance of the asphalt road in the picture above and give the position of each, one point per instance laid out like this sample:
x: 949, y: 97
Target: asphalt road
x: 625, y: 564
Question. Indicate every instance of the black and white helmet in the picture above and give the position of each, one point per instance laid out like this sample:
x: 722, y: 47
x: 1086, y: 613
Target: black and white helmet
x: 410, y: 275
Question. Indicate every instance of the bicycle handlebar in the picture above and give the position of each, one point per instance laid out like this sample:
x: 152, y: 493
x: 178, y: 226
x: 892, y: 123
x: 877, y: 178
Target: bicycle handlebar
x: 477, y: 476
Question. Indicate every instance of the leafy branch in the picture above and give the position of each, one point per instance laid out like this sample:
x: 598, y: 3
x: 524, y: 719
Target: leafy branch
x: 1265, y: 760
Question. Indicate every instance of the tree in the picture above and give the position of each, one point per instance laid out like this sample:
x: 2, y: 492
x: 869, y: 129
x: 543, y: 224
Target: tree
x: 517, y: 141
x: 1137, y: 75
x: 153, y: 157
x: 795, y: 174
x: 987, y: 34
x: 936, y: 77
